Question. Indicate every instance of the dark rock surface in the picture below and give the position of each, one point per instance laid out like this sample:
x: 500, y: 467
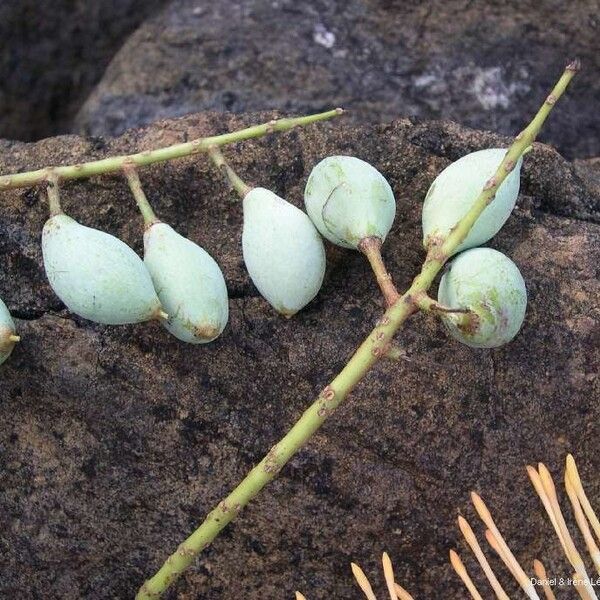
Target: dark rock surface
x: 115, y: 441
x: 483, y: 64
x: 53, y: 52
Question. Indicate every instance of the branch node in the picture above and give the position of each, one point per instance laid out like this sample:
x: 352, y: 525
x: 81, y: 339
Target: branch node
x: 490, y: 183
x: 328, y: 393
x: 395, y: 352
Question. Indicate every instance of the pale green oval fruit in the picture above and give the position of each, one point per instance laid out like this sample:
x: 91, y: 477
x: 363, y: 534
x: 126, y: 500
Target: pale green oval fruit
x: 7, y: 333
x: 96, y: 275
x: 283, y: 251
x: 189, y: 284
x: 488, y: 283
x: 456, y: 188
x: 348, y: 200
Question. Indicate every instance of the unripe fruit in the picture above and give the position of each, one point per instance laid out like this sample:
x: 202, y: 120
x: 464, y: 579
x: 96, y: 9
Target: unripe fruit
x: 348, y: 200
x: 189, y: 283
x: 490, y: 285
x: 283, y: 251
x: 456, y: 188
x: 96, y: 275
x: 8, y: 337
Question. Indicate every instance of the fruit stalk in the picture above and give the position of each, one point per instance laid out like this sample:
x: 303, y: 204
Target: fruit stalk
x: 135, y: 185
x: 463, y: 317
x: 376, y: 346
x: 140, y: 159
x: 428, y: 304
x: 371, y: 248
x: 237, y: 183
x: 53, y: 195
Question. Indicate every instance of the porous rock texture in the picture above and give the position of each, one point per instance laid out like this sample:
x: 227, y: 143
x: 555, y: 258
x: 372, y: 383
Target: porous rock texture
x: 485, y: 64
x: 116, y: 441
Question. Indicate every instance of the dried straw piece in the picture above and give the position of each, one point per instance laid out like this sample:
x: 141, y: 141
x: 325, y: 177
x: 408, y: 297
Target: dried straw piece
x: 461, y: 571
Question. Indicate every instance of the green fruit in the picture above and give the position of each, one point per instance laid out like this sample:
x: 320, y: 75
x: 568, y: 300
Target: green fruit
x: 283, y: 251
x: 189, y: 283
x: 8, y: 337
x: 490, y: 285
x: 96, y: 275
x: 456, y: 188
x: 348, y: 200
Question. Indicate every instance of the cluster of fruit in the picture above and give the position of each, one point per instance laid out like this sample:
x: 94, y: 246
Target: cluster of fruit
x: 100, y: 278
x: 350, y: 201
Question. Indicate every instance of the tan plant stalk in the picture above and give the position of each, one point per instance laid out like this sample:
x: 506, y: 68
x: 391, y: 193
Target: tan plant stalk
x: 541, y: 483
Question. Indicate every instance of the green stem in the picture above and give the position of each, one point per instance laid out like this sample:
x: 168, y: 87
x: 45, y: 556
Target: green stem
x: 463, y: 317
x: 116, y: 163
x: 138, y: 193
x: 426, y: 303
x: 53, y: 195
x: 238, y: 184
x: 375, y: 346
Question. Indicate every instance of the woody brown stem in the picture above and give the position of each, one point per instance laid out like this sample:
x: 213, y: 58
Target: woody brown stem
x: 371, y: 248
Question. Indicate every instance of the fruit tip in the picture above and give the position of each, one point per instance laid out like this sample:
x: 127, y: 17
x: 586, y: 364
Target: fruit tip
x: 455, y: 560
x: 543, y: 471
x: 465, y: 528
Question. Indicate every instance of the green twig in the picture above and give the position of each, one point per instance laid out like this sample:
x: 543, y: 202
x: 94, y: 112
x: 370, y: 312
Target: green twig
x: 463, y: 317
x: 376, y: 346
x: 135, y: 185
x: 238, y: 184
x: 53, y: 195
x: 116, y: 163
